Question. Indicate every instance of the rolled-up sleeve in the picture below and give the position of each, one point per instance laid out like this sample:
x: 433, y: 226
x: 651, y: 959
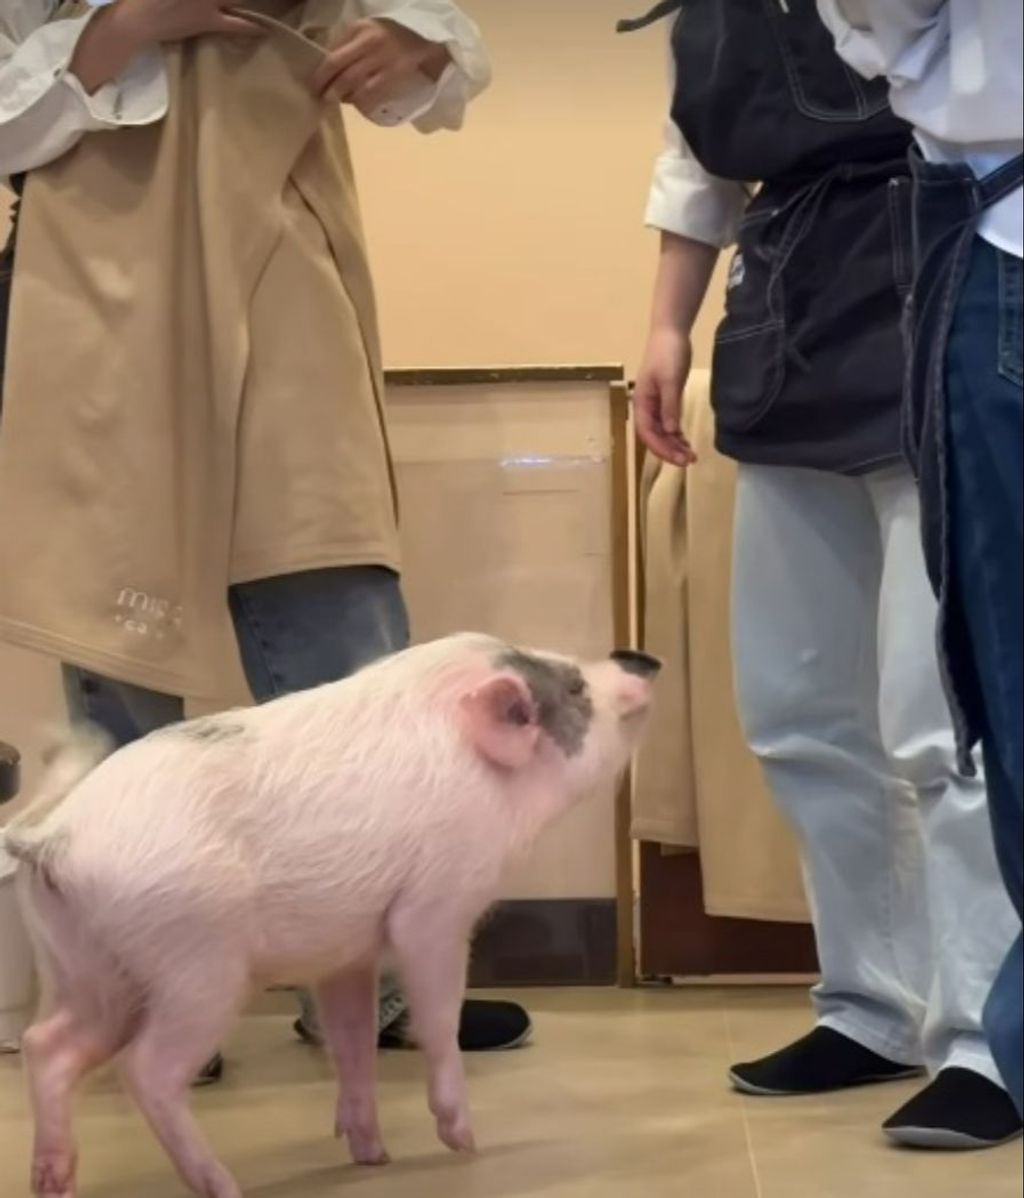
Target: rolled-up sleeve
x: 687, y: 201
x: 430, y: 105
x: 44, y: 110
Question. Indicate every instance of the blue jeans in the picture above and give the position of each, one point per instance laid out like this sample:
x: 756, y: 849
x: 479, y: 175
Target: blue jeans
x: 294, y: 632
x: 985, y: 445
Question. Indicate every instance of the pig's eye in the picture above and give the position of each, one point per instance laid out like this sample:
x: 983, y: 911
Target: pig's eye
x: 576, y: 687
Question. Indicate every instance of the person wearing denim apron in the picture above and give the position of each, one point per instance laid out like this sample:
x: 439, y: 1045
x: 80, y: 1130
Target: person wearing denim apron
x: 293, y: 631
x: 838, y: 681
x: 956, y: 73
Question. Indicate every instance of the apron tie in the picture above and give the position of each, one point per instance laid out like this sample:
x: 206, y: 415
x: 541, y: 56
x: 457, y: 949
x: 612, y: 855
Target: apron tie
x: 657, y: 13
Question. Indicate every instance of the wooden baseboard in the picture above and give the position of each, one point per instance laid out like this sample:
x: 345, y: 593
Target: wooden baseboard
x: 727, y: 981
x: 533, y: 942
x: 547, y: 942
x: 679, y: 939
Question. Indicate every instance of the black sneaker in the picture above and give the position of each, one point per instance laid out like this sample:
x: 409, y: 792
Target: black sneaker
x: 822, y: 1061
x: 486, y: 1026
x: 490, y: 1026
x: 958, y: 1110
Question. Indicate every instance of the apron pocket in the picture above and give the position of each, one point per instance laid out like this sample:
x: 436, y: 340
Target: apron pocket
x: 747, y: 372
x: 808, y: 359
x: 748, y: 363
x: 820, y: 90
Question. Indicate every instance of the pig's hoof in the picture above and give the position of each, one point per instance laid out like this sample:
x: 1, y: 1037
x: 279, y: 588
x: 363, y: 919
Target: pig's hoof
x: 371, y: 1157
x: 366, y: 1149
x: 456, y: 1134
x: 53, y: 1177
x: 221, y: 1186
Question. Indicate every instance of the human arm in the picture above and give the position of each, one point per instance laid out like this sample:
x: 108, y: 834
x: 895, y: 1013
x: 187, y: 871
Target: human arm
x: 44, y: 108
x: 696, y: 215
x: 401, y: 61
x: 63, y: 78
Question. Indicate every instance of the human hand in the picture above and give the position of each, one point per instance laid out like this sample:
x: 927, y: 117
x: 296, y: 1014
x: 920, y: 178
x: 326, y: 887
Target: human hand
x: 121, y: 31
x: 658, y: 393
x: 152, y: 22
x: 374, y: 61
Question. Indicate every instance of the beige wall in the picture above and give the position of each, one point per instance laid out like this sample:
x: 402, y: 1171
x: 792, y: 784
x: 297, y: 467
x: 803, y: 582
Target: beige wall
x: 519, y: 240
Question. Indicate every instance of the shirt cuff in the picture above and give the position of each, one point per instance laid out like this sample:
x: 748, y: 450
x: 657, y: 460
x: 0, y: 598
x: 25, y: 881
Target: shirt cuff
x: 423, y: 98
x: 138, y: 96
x: 431, y: 105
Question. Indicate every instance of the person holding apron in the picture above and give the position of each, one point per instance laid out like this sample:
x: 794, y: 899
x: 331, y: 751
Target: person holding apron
x: 837, y: 676
x: 956, y: 74
x: 95, y: 102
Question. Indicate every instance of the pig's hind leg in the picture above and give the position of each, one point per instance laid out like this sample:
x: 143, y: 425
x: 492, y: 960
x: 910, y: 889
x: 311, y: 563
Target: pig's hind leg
x: 431, y: 945
x: 347, y: 1004
x: 85, y: 1018
x: 188, y: 1012
x: 59, y: 1051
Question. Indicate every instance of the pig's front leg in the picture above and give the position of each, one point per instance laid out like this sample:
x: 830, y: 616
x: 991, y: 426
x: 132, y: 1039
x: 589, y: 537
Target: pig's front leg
x: 347, y: 1004
x: 432, y: 949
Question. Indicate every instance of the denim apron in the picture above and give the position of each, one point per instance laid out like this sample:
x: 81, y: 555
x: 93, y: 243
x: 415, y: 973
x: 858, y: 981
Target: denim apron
x: 808, y: 361
x: 948, y: 202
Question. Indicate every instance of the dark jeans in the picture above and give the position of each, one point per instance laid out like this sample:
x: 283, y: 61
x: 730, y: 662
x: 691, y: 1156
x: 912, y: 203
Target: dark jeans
x: 985, y: 446
x: 294, y: 632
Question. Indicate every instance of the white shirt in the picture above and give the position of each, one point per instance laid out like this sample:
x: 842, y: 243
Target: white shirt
x: 686, y: 200
x: 44, y: 110
x: 955, y: 72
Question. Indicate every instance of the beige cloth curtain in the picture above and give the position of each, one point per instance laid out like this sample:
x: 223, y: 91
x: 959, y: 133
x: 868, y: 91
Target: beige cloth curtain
x: 697, y: 784
x: 193, y: 392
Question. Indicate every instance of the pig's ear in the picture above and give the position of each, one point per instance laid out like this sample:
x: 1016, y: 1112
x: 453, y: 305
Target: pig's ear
x: 501, y: 721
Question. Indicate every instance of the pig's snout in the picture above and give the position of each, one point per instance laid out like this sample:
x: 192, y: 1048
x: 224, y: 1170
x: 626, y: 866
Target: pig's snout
x: 632, y: 661
x: 630, y: 677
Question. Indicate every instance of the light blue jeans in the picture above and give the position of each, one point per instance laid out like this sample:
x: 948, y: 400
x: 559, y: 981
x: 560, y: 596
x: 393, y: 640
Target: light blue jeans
x: 840, y: 697
x: 294, y: 632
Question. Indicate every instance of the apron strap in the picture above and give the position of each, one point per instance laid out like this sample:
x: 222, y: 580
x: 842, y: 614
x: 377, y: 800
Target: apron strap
x: 1003, y: 181
x: 661, y: 10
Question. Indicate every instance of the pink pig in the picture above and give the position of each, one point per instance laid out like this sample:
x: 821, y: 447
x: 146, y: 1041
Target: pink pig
x: 298, y: 842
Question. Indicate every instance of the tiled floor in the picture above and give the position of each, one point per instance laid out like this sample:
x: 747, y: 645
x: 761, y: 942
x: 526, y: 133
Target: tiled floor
x: 622, y: 1095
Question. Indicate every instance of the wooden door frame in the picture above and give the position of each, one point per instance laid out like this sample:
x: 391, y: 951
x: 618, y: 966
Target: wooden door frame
x: 626, y: 610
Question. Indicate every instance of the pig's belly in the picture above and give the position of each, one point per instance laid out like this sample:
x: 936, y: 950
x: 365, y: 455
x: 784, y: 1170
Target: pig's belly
x: 312, y: 940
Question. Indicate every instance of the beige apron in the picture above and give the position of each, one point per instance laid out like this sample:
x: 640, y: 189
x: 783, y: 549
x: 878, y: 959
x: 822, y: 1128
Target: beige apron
x: 193, y: 393
x: 697, y: 785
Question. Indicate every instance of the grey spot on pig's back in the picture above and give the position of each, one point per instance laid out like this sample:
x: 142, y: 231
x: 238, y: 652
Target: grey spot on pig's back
x: 564, y: 706
x: 210, y: 730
